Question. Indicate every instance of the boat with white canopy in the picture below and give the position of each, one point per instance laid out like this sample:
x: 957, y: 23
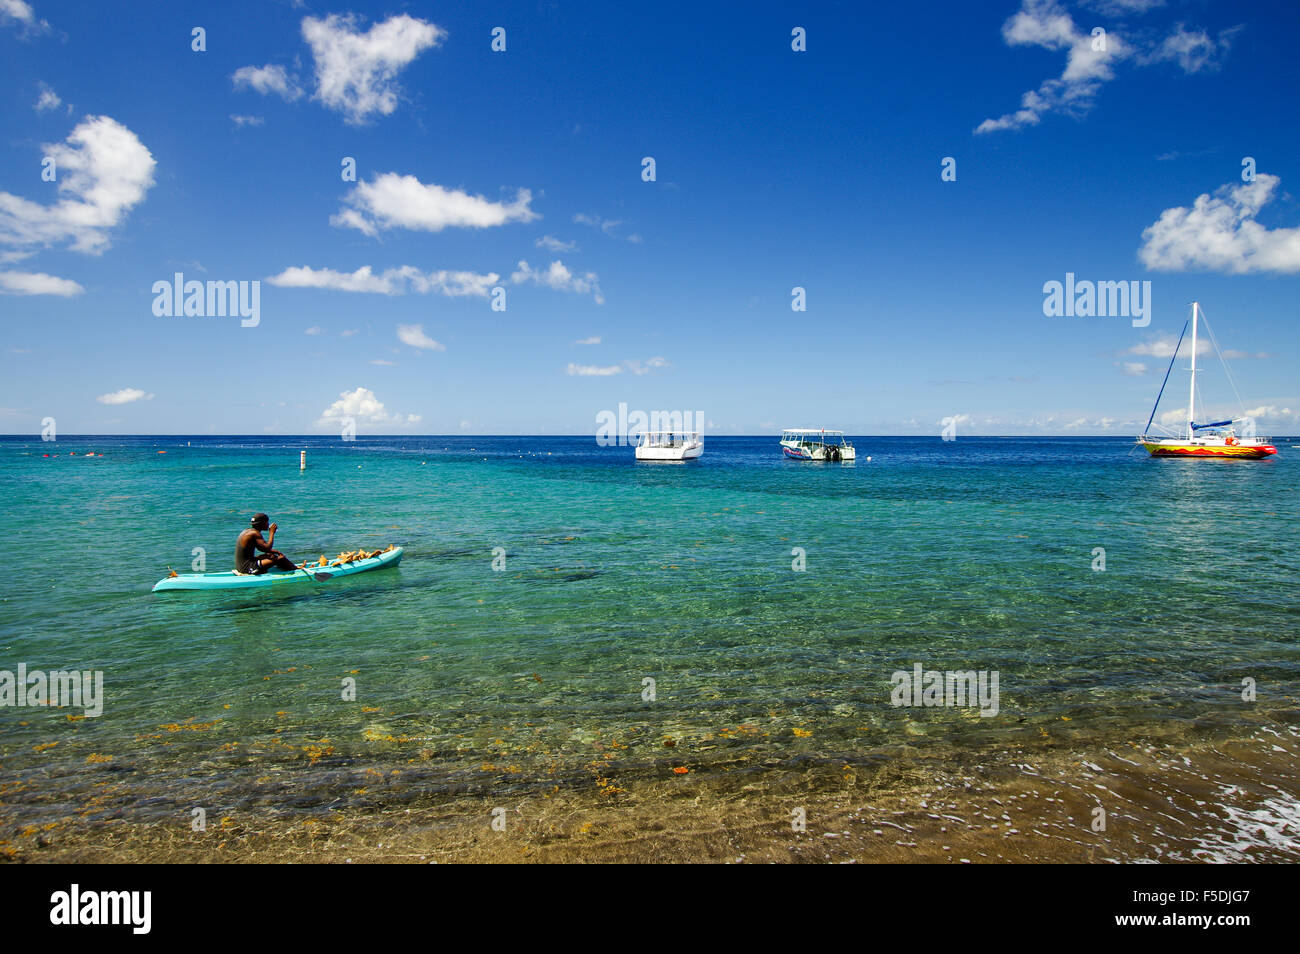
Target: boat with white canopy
x: 669, y: 445
x: 816, y: 443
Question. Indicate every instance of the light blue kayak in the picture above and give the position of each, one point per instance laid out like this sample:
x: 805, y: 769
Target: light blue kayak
x: 230, y: 580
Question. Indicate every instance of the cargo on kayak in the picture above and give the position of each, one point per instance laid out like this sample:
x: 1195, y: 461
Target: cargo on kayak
x: 318, y: 573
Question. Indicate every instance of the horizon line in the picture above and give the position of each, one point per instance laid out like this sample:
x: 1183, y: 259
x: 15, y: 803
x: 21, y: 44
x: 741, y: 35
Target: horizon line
x: 36, y: 438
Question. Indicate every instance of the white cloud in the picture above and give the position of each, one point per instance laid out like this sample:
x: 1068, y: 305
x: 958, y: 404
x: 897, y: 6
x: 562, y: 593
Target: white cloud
x: 21, y: 12
x: 596, y: 222
x: 103, y: 172
x: 240, y: 120
x: 607, y: 226
x: 383, y: 362
x: 267, y: 79
x: 1271, y: 412
x: 392, y: 201
x: 362, y: 280
x: 1163, y: 347
x: 653, y: 364
x: 636, y: 367
x: 392, y: 281
x: 1173, y: 418
x: 47, y: 100
x: 124, y: 396
x: 414, y: 336
x: 558, y: 277
x: 356, y: 72
x: 593, y: 340
x: 348, y: 332
x: 362, y: 406
x: 313, y: 330
x: 1045, y: 23
x: 1118, y: 8
x: 1132, y: 368
x: 37, y: 283
x: 1193, y: 50
x: 591, y: 370
x: 1220, y: 234
x: 552, y: 244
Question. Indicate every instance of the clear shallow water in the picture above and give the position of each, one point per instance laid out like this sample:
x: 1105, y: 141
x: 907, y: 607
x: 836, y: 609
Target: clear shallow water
x: 975, y: 554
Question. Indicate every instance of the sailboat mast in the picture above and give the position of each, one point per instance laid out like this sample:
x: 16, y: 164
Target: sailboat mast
x: 1191, y: 398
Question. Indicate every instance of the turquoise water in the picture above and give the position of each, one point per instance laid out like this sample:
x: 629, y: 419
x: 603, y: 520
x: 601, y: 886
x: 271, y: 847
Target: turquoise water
x: 976, y: 554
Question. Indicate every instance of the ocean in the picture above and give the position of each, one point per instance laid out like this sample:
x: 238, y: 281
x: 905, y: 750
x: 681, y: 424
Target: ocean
x: 567, y: 620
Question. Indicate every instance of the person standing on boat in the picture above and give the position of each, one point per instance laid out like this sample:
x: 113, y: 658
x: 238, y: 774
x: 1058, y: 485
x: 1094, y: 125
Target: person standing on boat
x: 247, y: 560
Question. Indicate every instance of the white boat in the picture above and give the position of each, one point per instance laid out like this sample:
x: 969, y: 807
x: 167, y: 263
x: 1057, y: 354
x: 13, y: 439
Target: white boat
x: 816, y: 443
x: 669, y: 445
x: 1209, y: 438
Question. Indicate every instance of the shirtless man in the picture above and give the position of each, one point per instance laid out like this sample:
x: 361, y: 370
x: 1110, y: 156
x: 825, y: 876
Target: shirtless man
x: 247, y: 560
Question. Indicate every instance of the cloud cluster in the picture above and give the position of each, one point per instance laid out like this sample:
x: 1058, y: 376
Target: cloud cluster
x: 552, y: 244
x: 414, y: 336
x: 363, y: 407
x: 603, y: 371
x: 124, y: 396
x: 1219, y: 233
x: 392, y: 281
x: 1044, y: 23
x: 103, y: 172
x: 607, y: 226
x: 1271, y: 412
x: 47, y: 100
x: 267, y: 79
x: 1090, y: 60
x: 1162, y: 348
x: 355, y: 72
x: 1192, y: 50
x: 558, y: 277
x: 391, y: 201
x: 21, y: 13
x: 37, y: 283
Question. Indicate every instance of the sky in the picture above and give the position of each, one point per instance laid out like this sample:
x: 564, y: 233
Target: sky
x: 627, y: 203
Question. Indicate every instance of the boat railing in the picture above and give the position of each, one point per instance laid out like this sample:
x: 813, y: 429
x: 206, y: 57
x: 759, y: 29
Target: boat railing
x: 668, y: 439
x: 815, y: 437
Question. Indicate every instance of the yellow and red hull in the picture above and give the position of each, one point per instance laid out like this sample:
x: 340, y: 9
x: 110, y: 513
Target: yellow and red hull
x: 1234, y: 451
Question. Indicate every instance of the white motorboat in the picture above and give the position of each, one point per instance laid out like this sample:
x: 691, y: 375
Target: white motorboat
x: 669, y: 445
x: 816, y: 443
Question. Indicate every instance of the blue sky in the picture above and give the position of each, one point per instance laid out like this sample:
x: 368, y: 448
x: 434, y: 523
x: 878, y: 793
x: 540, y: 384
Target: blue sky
x: 774, y: 169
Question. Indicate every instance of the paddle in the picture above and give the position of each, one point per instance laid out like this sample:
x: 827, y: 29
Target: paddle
x: 320, y: 576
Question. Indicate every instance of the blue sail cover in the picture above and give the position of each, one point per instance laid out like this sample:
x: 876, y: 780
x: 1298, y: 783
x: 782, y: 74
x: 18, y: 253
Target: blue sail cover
x: 1215, y: 424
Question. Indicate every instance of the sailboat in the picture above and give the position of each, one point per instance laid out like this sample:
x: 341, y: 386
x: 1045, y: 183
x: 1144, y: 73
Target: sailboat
x: 1211, y: 439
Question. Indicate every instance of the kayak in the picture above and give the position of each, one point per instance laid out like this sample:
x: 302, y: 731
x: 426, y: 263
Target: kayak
x: 230, y: 580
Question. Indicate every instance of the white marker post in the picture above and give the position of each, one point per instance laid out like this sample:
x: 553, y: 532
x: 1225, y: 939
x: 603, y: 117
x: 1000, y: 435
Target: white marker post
x: 302, y: 460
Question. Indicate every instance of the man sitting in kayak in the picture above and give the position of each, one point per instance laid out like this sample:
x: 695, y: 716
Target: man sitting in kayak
x: 247, y: 560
